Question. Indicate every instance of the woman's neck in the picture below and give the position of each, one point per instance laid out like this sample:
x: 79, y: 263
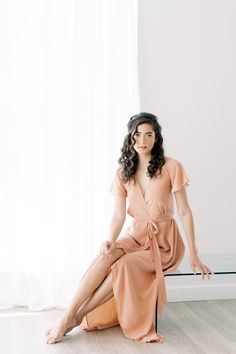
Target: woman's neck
x: 143, y: 163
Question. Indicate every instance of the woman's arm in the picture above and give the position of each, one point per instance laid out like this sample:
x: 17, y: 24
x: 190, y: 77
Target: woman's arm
x: 185, y: 215
x: 118, y: 218
x: 186, y: 218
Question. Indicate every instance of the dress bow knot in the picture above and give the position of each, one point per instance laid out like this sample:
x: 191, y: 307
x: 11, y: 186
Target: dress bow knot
x: 152, y: 228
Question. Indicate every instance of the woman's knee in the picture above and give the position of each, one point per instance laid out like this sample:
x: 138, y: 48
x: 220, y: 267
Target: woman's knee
x: 116, y: 253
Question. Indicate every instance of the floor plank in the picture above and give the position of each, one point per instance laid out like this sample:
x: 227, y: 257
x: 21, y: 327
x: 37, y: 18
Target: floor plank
x: 192, y: 327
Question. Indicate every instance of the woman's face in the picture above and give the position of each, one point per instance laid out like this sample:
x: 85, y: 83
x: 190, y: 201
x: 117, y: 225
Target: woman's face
x: 144, y: 139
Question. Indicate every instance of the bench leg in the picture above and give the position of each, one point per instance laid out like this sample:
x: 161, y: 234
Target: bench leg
x: 156, y: 318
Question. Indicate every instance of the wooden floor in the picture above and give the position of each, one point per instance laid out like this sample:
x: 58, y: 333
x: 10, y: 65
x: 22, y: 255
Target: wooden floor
x: 189, y: 327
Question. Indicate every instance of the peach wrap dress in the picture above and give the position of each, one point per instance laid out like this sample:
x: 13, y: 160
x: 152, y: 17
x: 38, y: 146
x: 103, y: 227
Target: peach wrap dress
x: 153, y: 247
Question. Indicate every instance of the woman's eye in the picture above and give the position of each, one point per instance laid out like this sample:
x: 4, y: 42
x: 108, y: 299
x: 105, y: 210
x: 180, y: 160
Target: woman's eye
x: 137, y: 134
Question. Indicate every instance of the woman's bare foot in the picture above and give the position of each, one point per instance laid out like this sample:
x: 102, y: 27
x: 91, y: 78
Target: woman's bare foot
x: 78, y: 320
x: 56, y: 333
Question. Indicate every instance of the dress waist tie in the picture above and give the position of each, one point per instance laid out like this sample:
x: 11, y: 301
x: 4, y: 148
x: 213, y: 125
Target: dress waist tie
x: 152, y: 231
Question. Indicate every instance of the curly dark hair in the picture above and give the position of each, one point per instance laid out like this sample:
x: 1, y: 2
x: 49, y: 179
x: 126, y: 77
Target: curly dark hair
x: 129, y: 157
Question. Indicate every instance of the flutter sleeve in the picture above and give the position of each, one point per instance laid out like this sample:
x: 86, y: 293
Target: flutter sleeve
x: 117, y: 187
x: 178, y: 176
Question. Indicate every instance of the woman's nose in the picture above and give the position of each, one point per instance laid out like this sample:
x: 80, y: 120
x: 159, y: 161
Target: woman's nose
x: 143, y: 140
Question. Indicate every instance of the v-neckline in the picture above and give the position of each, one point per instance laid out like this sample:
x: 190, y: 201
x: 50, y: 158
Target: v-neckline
x: 145, y: 193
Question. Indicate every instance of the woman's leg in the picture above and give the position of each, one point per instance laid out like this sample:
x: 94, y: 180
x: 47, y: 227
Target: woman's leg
x: 103, y: 293
x: 90, y: 282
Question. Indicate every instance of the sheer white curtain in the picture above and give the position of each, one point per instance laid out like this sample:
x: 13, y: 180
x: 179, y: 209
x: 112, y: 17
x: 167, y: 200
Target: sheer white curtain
x: 68, y: 84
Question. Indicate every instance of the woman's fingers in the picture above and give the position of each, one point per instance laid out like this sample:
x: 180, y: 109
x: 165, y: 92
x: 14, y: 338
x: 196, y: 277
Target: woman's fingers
x: 109, y: 249
x: 106, y: 248
x: 195, y: 262
x: 208, y: 271
x: 205, y: 270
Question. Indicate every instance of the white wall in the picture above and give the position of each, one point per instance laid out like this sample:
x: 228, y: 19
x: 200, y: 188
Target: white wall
x: 187, y: 56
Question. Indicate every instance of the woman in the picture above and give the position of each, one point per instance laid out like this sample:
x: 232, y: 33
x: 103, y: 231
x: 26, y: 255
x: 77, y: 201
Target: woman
x: 131, y: 270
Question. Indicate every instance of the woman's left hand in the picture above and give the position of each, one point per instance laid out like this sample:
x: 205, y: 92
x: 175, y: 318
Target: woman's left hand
x: 195, y: 261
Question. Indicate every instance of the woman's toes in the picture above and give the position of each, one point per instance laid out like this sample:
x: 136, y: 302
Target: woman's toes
x: 50, y: 340
x: 56, y: 334
x: 54, y: 340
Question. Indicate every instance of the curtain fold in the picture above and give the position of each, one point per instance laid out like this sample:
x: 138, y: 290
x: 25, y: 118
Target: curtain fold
x: 69, y: 83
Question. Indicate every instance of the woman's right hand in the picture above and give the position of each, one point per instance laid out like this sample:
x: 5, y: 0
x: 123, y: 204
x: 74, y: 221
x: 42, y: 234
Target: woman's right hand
x: 107, y: 247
